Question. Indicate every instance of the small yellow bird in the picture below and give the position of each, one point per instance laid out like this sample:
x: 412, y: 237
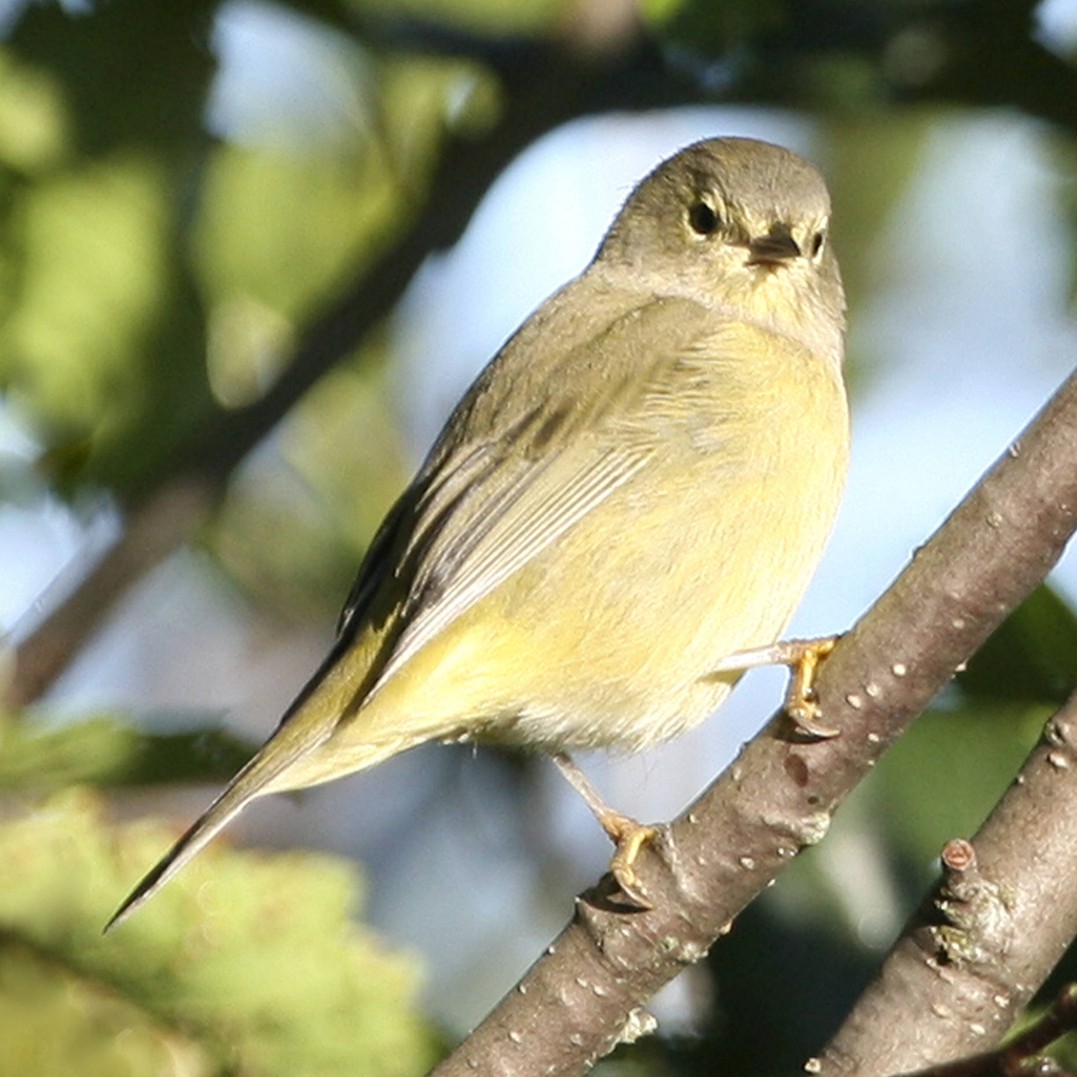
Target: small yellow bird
x: 637, y: 488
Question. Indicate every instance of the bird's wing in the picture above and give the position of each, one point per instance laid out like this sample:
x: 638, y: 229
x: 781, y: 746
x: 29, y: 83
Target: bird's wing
x: 480, y: 509
x: 520, y: 521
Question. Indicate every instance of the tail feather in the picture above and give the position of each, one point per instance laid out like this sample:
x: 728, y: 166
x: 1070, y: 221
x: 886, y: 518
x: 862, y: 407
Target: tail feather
x: 291, y: 759
x: 252, y: 781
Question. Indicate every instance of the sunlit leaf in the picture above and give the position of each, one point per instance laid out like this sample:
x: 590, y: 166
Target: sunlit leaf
x: 283, y: 227
x: 104, y: 342
x: 484, y: 16
x: 96, y: 282
x: 251, y: 961
x: 107, y: 752
x: 34, y: 126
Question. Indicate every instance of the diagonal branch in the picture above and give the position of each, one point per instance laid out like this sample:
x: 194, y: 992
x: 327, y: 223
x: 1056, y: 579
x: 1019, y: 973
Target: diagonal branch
x: 983, y: 943
x: 544, y: 85
x: 1021, y: 1057
x: 587, y: 992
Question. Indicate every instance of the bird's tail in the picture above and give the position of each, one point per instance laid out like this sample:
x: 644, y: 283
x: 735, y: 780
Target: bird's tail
x: 288, y: 760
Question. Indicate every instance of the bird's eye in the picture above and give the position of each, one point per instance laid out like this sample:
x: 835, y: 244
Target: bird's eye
x: 817, y: 243
x: 702, y: 219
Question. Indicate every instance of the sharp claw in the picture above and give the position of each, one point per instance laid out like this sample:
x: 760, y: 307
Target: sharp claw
x: 806, y: 716
x: 630, y: 837
x: 800, y: 702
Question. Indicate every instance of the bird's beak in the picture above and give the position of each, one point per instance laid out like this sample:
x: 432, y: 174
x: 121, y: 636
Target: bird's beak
x: 774, y: 249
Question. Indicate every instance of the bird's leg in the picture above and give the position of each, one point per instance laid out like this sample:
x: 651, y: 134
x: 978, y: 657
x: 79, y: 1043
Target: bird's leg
x: 803, y: 657
x: 800, y: 701
x: 625, y: 832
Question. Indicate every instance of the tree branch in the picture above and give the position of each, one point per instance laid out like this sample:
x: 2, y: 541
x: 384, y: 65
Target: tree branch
x: 167, y: 520
x: 986, y: 939
x: 587, y: 993
x: 1021, y: 1056
x: 545, y: 85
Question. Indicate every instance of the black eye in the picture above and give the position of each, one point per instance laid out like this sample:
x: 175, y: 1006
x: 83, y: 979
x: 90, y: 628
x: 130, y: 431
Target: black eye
x: 702, y: 219
x: 817, y: 243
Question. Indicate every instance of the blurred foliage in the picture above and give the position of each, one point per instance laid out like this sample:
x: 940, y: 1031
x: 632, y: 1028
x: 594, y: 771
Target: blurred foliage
x: 487, y: 16
x: 753, y: 982
x: 157, y: 275
x: 165, y: 242
x: 249, y: 964
x: 714, y: 30
x: 292, y: 537
x: 104, y: 339
x: 1032, y: 657
x: 859, y: 155
x: 109, y: 752
x: 943, y: 777
x: 946, y: 774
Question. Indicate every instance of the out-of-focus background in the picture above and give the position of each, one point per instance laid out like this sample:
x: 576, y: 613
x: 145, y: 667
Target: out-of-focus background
x: 250, y: 255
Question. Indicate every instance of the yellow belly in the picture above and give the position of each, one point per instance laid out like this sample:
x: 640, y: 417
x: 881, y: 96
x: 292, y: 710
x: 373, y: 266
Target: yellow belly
x: 607, y: 637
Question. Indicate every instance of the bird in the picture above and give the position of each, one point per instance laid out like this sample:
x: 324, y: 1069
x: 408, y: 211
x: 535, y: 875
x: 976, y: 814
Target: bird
x: 623, y: 509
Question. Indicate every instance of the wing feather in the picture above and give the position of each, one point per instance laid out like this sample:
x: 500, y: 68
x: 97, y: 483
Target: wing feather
x: 546, y: 502
x: 482, y: 508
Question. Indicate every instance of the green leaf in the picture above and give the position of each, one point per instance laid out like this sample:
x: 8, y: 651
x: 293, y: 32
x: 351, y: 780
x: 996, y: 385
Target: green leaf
x: 106, y: 752
x: 103, y: 344
x: 245, y: 964
x: 84, y: 350
x: 1032, y: 656
x: 54, y: 1022
x: 285, y: 228
x: 945, y: 775
x: 711, y: 30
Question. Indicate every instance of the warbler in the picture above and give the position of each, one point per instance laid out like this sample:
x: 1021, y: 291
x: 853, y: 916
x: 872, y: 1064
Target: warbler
x: 635, y: 490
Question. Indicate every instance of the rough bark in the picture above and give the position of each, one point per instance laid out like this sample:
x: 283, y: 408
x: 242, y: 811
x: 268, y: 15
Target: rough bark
x: 1000, y: 919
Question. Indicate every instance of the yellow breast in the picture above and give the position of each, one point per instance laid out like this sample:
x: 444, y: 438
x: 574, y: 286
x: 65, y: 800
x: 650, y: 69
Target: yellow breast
x: 606, y: 638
